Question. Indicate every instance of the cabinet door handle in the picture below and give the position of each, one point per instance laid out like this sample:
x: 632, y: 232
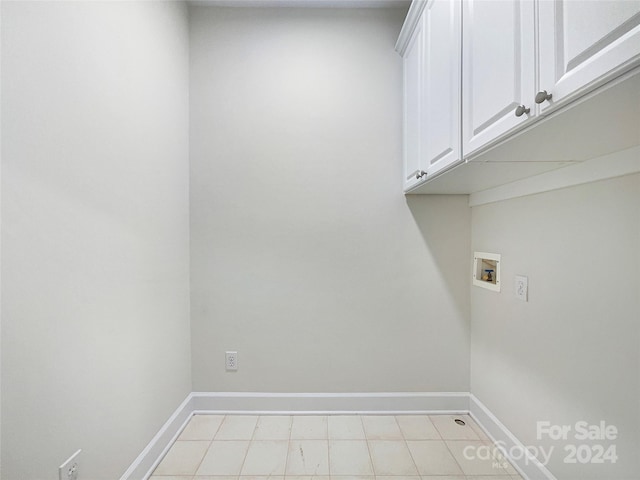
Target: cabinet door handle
x: 417, y: 174
x: 521, y: 110
x: 542, y: 96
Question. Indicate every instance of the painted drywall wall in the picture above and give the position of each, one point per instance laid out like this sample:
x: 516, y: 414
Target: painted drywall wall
x: 571, y: 352
x: 95, y: 344
x: 0, y: 240
x: 306, y: 258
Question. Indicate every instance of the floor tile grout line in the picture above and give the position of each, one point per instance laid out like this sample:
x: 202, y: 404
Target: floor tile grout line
x: 326, y: 439
x: 328, y: 449
x: 366, y: 437
x: 437, y: 429
x: 210, y: 443
x: 255, y: 427
x: 434, y: 427
x: 449, y: 449
x: 246, y: 453
x: 503, y: 471
x: 427, y: 417
x: 444, y: 441
x: 487, y: 441
x: 326, y: 432
x: 286, y: 460
x: 407, y: 445
x: 451, y: 452
x: 373, y: 468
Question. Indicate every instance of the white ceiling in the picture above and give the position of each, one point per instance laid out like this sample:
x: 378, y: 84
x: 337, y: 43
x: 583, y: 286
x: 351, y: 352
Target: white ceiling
x: 305, y: 3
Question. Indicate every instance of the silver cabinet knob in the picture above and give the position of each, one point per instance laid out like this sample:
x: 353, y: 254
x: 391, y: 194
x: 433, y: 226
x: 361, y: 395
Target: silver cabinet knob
x: 542, y: 96
x: 521, y: 110
x: 420, y: 174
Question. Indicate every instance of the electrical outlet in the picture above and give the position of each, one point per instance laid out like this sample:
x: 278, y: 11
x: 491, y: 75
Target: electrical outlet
x: 231, y: 361
x: 522, y: 287
x: 70, y: 468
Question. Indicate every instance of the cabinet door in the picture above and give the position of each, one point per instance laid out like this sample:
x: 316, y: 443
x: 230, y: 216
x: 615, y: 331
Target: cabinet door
x: 499, y: 69
x: 412, y: 99
x: 583, y: 42
x: 442, y: 85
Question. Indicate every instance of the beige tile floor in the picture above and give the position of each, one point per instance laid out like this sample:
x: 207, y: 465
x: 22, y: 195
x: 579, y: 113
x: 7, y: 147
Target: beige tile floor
x: 336, y: 447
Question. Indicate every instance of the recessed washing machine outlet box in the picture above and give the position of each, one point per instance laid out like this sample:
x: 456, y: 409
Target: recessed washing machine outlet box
x: 486, y: 270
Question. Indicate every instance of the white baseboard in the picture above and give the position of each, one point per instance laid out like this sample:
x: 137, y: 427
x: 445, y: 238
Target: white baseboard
x: 530, y: 468
x: 150, y: 457
x: 331, y: 403
x: 328, y: 403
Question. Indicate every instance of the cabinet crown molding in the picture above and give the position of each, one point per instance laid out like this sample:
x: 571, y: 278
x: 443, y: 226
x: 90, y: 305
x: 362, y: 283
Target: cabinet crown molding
x: 410, y: 24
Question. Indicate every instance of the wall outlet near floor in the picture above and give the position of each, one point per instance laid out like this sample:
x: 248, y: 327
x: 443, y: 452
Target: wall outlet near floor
x: 231, y: 361
x: 522, y: 287
x: 70, y: 468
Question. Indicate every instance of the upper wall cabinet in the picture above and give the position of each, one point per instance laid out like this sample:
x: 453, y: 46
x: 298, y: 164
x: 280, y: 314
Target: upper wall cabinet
x: 441, y: 84
x: 499, y: 69
x: 583, y: 43
x: 478, y: 72
x: 412, y: 100
x: 432, y: 90
x: 580, y: 45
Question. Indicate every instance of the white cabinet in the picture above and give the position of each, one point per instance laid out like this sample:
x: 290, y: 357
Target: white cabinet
x: 412, y: 100
x: 580, y: 44
x: 432, y: 92
x: 585, y: 42
x: 442, y: 85
x: 474, y: 78
x: 499, y: 69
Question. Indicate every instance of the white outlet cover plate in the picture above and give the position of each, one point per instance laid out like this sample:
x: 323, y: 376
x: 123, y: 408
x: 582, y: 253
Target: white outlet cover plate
x: 522, y: 287
x: 231, y: 361
x: 66, y: 471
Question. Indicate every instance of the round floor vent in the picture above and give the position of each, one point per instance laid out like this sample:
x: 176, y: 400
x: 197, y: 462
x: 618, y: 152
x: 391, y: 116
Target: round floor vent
x: 459, y: 422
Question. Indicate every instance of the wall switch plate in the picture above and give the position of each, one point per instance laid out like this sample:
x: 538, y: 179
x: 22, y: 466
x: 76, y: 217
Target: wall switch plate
x: 522, y: 287
x: 231, y: 361
x: 70, y: 468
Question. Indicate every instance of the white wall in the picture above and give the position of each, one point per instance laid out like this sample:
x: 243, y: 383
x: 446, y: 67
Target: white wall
x: 306, y: 257
x: 0, y: 240
x: 95, y: 344
x: 572, y: 351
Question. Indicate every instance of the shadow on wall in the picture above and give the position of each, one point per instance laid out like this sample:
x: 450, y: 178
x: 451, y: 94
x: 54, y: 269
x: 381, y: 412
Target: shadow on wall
x: 444, y: 221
